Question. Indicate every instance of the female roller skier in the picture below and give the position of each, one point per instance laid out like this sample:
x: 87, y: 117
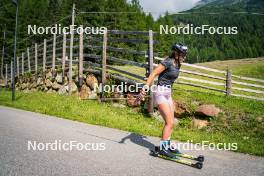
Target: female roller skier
x: 167, y: 72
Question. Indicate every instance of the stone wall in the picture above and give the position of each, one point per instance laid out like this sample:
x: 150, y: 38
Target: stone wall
x: 49, y: 81
x: 54, y: 82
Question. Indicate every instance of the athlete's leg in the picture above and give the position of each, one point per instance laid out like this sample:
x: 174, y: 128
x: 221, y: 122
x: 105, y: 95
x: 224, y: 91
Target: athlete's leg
x: 165, y: 111
x: 170, y: 101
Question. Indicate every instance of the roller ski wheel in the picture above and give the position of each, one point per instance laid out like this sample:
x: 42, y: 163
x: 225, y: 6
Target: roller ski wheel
x: 197, y: 165
x: 200, y: 158
x: 154, y: 153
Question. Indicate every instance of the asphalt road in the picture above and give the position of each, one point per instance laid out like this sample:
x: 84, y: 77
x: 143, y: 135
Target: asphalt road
x: 125, y: 153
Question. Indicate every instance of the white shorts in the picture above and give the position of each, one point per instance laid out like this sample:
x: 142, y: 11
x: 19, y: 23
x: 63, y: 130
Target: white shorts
x: 162, y: 94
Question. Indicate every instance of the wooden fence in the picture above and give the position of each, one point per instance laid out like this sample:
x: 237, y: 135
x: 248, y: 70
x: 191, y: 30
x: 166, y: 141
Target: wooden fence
x: 100, y: 52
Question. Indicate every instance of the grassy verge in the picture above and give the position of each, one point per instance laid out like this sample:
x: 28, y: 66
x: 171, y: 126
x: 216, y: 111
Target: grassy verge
x: 252, y: 67
x: 238, y: 122
x: 104, y: 114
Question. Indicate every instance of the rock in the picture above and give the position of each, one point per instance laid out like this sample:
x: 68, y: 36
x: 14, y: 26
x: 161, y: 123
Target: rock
x: 63, y: 90
x: 28, y: 80
x: 33, y: 78
x: 24, y: 79
x: 93, y: 95
x: 26, y: 90
x: 132, y: 100
x: 59, y: 78
x: 65, y: 80
x: 56, y: 86
x: 33, y: 90
x: 28, y: 85
x: 34, y: 85
x: 23, y: 86
x: 18, y: 81
x: 208, y: 110
x: 50, y: 91
x: 48, y: 75
x: 39, y: 81
x: 196, y: 123
x: 48, y: 83
x: 260, y: 119
x: 40, y: 74
x: 91, y: 81
x: 85, y: 92
x: 74, y: 88
x: 42, y: 87
x: 39, y: 88
x: 45, y: 89
x: 179, y: 109
x: 118, y: 105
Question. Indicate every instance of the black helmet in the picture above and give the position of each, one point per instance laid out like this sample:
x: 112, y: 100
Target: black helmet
x: 180, y: 47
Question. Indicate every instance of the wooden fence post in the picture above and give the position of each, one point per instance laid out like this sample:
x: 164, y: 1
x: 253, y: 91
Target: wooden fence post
x: 53, y: 54
x: 22, y: 64
x: 150, y: 69
x: 44, y: 55
x: 81, y: 58
x: 104, y: 55
x: 28, y: 56
x: 70, y: 62
x: 228, y: 82
x: 36, y: 58
x: 71, y: 48
x: 63, y: 56
x: 3, y: 54
x: 17, y: 66
x: 11, y: 72
x: 6, y: 81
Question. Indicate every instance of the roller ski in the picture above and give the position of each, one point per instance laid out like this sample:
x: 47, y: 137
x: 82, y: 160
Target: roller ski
x: 183, y: 155
x: 168, y: 155
x: 176, y: 152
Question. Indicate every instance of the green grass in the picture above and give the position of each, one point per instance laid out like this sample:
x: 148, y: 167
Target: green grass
x: 238, y: 124
x: 253, y: 67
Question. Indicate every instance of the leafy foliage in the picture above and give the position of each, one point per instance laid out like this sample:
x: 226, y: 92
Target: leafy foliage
x: 247, y: 43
